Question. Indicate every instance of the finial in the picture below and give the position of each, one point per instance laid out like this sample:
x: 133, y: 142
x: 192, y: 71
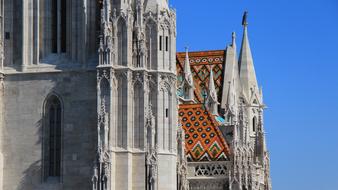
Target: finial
x: 245, y: 19
x: 211, y: 86
x: 187, y: 54
x: 189, y: 81
x: 101, y: 41
x: 187, y: 62
x: 233, y: 38
x: 114, y: 13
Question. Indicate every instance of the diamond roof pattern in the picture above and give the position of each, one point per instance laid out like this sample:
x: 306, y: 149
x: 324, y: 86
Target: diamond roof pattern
x: 200, y: 63
x: 203, y: 139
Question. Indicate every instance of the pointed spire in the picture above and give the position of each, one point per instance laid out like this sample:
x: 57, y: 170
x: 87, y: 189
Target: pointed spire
x: 231, y: 82
x: 246, y: 65
x: 212, y: 89
x: 188, y: 83
x: 187, y: 70
x: 212, y: 98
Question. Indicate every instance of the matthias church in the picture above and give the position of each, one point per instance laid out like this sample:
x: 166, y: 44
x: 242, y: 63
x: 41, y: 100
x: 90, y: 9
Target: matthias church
x: 94, y: 96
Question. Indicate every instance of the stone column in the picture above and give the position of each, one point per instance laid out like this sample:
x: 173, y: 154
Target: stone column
x: 84, y: 27
x: 36, y: 32
x: 1, y: 126
x: 1, y: 90
x: 27, y: 33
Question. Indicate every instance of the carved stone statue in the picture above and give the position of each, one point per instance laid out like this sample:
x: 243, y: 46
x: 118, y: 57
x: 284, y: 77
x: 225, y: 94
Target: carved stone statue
x: 151, y: 155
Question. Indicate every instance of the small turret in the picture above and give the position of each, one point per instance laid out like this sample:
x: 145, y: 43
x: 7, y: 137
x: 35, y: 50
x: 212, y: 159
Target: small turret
x: 212, y: 102
x: 188, y: 81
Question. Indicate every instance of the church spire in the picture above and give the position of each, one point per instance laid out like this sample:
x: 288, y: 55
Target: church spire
x: 188, y: 83
x: 246, y: 65
x: 231, y: 82
x: 212, y: 95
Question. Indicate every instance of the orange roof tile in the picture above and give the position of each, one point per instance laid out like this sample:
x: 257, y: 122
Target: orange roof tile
x: 203, y: 139
x: 200, y: 63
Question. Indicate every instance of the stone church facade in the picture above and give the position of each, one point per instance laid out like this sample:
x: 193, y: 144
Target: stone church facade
x: 94, y: 96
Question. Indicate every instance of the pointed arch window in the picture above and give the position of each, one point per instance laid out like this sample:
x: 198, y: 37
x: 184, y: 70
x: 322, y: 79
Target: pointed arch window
x: 254, y: 124
x: 122, y: 119
x: 166, y: 118
x: 122, y: 42
x: 151, y: 40
x: 52, y: 138
x: 138, y: 116
x: 53, y: 27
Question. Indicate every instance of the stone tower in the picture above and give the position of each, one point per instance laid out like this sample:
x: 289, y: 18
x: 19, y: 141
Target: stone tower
x: 136, y: 97
x: 244, y: 106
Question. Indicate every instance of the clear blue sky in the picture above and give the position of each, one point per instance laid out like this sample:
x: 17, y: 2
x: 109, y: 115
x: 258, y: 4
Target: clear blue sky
x: 295, y: 49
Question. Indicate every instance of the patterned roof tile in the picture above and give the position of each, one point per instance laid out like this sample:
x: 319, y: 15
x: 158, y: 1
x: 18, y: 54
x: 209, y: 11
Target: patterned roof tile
x: 203, y: 139
x: 200, y: 63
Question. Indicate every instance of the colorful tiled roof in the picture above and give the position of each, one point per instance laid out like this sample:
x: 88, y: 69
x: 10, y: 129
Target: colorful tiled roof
x: 203, y: 139
x: 200, y: 63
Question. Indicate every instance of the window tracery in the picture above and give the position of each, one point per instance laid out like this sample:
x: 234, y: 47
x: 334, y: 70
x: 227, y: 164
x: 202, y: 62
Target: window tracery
x: 53, y: 137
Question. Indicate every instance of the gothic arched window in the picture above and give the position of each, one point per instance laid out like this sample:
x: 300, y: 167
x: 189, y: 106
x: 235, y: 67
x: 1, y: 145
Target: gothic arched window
x: 122, y: 119
x: 254, y: 123
x: 164, y: 46
x: 52, y: 137
x: 166, y: 107
x: 53, y: 27
x: 122, y: 42
x: 138, y: 116
x: 151, y: 40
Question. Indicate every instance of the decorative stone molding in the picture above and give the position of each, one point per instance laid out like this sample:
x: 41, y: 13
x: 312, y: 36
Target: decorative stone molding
x: 108, y: 74
x: 167, y: 82
x: 138, y: 77
x: 210, y: 169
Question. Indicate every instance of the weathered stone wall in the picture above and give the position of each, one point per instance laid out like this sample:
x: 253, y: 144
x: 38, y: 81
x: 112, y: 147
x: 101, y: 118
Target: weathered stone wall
x: 22, y: 133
